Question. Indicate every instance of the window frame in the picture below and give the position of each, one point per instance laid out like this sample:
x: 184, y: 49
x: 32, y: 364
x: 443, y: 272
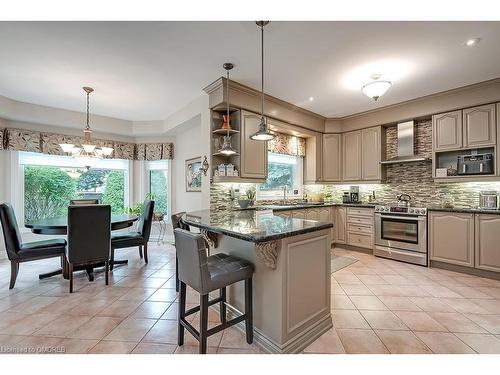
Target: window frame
x: 164, y: 165
x: 298, y: 181
x: 25, y: 158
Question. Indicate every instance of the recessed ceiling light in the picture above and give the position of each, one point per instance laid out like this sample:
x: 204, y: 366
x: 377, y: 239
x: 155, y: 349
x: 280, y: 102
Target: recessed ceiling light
x: 311, y: 99
x: 472, y: 42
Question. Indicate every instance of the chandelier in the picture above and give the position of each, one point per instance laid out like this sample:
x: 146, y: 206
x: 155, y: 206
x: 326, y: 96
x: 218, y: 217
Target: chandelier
x: 88, y: 154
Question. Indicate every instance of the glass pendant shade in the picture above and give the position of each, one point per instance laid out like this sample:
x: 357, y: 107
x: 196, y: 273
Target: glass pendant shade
x: 89, y: 148
x: 107, y: 151
x: 67, y: 147
x: 88, y: 161
x: 226, y: 148
x: 376, y: 89
x: 263, y: 134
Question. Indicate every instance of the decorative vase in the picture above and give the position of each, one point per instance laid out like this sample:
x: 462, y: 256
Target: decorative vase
x: 225, y: 122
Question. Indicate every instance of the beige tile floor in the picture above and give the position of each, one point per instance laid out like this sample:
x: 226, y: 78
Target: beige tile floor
x: 378, y: 306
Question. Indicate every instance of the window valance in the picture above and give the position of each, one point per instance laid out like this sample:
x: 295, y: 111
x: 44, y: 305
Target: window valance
x: 286, y: 144
x: 48, y: 143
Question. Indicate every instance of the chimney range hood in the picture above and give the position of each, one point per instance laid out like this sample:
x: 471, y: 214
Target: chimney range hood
x: 405, y: 145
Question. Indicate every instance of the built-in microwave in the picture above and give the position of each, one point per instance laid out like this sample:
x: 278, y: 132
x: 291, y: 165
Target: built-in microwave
x: 475, y: 164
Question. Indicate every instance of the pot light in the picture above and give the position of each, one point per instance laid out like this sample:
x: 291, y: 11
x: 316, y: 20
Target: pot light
x: 311, y: 99
x: 377, y: 88
x: 472, y: 42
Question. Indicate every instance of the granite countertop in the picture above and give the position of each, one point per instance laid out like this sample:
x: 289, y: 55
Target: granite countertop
x: 300, y: 206
x: 470, y: 210
x: 248, y: 226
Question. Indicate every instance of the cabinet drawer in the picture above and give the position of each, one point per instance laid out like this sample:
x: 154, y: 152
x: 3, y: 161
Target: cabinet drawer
x: 363, y: 229
x: 364, y: 220
x: 361, y: 240
x: 359, y: 211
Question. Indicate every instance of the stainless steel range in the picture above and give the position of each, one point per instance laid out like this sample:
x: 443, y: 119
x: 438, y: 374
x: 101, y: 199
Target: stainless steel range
x: 401, y: 233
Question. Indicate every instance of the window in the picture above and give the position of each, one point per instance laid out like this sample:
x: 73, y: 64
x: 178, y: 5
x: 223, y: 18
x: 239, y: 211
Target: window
x: 50, y: 182
x: 158, y: 185
x: 282, y: 170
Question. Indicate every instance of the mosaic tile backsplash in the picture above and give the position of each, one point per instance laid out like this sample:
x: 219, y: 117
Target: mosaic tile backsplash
x: 414, y: 179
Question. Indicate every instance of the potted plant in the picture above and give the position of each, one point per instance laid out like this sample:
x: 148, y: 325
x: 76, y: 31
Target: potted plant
x: 250, y: 193
x: 243, y: 201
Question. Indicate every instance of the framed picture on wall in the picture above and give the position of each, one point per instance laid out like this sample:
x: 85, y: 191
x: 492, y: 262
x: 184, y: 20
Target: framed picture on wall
x: 193, y: 174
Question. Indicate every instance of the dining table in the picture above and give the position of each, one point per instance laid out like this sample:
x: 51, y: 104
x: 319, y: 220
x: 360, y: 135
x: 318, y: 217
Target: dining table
x: 59, y: 226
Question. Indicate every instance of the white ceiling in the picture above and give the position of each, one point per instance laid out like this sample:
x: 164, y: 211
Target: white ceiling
x: 148, y: 70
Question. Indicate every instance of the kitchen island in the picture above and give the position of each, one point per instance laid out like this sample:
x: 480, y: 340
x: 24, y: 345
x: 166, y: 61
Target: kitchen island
x: 291, y: 282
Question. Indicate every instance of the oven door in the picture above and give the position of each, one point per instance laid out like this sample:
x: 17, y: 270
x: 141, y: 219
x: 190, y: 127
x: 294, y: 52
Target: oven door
x: 401, y: 232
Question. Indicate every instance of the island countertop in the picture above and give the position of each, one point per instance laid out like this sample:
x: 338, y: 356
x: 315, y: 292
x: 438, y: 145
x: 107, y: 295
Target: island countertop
x: 250, y: 226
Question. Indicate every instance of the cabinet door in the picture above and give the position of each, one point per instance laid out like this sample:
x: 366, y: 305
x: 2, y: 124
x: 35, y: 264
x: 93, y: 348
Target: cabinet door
x: 371, y: 153
x: 340, y: 225
x: 312, y: 214
x: 487, y: 252
x: 447, y: 131
x: 253, y: 158
x: 451, y: 238
x: 299, y: 214
x: 313, y: 159
x: 479, y: 126
x: 351, y: 150
x: 332, y: 157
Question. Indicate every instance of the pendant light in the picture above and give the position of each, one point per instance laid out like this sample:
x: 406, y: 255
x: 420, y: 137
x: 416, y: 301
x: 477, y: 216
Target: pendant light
x: 263, y: 134
x: 227, y: 148
x: 88, y: 154
x: 376, y: 88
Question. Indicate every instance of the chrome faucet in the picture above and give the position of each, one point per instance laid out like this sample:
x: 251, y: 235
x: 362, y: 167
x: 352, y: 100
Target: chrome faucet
x: 284, y: 194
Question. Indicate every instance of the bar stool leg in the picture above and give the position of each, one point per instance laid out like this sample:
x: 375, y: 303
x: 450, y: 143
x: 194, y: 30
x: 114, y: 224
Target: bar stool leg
x: 223, y: 305
x: 146, y: 252
x: 181, y: 313
x: 203, y: 323
x: 249, y: 310
x: 140, y: 252
x: 176, y: 273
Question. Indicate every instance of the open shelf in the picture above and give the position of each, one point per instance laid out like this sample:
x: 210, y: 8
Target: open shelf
x: 224, y: 155
x: 225, y: 131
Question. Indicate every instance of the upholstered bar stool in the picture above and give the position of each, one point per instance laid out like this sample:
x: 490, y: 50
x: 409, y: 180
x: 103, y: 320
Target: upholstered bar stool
x: 177, y: 223
x: 205, y: 274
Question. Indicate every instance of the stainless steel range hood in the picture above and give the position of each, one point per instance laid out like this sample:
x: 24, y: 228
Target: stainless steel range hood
x: 405, y: 145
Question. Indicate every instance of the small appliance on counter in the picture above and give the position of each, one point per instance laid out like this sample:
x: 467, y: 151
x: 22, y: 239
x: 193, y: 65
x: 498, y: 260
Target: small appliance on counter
x: 475, y: 164
x: 354, y: 194
x: 404, y: 200
x: 345, y: 197
x: 488, y: 200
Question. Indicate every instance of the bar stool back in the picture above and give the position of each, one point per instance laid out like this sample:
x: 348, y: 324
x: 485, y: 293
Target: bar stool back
x: 205, y: 274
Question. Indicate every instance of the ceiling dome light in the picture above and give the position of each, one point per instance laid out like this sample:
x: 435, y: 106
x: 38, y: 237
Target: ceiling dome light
x: 376, y: 88
x: 472, y: 42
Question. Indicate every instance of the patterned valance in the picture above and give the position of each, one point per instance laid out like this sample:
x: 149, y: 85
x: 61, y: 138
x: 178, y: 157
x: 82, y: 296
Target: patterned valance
x: 48, y: 143
x: 287, y: 145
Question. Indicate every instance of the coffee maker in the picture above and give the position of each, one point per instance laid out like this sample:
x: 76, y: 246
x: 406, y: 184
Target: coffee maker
x: 354, y: 194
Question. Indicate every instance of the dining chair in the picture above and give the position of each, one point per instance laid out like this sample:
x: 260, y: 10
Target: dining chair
x: 83, y: 201
x: 139, y: 238
x: 177, y: 223
x: 19, y: 252
x: 89, y: 237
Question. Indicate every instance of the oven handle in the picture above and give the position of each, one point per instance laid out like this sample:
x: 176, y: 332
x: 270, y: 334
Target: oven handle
x: 412, y: 218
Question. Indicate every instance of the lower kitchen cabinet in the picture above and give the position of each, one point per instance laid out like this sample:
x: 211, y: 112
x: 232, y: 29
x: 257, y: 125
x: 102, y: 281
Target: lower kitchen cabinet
x: 360, y: 227
x: 340, y: 225
x: 487, y: 242
x: 451, y: 238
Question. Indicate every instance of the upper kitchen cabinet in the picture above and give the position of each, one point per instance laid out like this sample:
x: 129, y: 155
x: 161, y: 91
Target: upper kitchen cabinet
x: 371, y: 154
x: 253, y: 153
x: 351, y: 156
x: 479, y: 126
x: 313, y: 159
x: 447, y: 131
x: 361, y: 155
x: 332, y: 157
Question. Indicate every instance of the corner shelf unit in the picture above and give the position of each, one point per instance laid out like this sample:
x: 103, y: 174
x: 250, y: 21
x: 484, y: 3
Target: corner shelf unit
x: 448, y: 158
x: 217, y: 136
